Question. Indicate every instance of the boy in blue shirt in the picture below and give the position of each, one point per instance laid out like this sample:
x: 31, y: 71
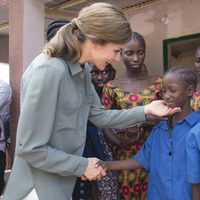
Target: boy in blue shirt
x: 193, y: 147
x: 163, y: 154
x: 193, y: 161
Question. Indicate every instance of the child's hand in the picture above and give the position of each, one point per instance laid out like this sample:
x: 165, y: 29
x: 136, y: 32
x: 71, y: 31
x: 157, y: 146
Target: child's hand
x: 103, y: 165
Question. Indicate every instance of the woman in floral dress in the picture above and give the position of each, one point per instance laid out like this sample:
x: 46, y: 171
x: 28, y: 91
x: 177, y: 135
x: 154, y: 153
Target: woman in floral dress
x: 196, y: 97
x: 135, y: 88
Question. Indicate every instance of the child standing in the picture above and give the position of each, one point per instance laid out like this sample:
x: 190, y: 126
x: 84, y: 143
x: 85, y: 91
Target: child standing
x: 96, y: 146
x: 193, y: 145
x: 195, y: 103
x: 163, y: 154
x: 193, y: 161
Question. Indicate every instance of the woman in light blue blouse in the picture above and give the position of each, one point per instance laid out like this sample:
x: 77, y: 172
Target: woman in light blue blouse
x: 58, y: 98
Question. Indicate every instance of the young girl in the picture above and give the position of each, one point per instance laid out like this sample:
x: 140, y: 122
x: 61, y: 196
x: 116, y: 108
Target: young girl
x: 96, y: 146
x: 136, y: 87
x: 195, y: 103
x: 163, y: 154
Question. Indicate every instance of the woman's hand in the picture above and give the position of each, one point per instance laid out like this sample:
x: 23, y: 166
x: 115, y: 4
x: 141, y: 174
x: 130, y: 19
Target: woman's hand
x: 94, y: 170
x: 159, y: 108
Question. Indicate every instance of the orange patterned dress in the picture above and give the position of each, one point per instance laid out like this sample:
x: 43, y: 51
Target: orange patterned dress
x: 195, y: 102
x: 132, y: 183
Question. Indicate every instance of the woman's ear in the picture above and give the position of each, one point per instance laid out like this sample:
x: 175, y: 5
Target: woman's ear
x: 92, y: 43
x: 190, y: 90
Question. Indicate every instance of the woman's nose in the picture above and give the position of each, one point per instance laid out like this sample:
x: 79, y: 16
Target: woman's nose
x: 117, y: 57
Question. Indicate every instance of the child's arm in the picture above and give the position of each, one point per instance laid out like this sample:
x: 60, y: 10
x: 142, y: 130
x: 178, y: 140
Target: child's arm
x: 141, y: 159
x: 196, y: 191
x: 120, y: 164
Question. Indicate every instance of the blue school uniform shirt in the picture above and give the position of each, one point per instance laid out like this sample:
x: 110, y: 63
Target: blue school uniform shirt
x: 166, y: 161
x: 193, y: 155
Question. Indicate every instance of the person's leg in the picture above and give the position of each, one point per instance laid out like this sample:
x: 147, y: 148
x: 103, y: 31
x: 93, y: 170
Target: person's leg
x: 2, y: 169
x: 81, y: 190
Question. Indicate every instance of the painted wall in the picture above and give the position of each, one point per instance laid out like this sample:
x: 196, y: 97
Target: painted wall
x: 4, y: 52
x: 185, y: 59
x: 183, y: 20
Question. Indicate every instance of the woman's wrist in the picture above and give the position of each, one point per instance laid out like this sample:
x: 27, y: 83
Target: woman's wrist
x: 147, y: 110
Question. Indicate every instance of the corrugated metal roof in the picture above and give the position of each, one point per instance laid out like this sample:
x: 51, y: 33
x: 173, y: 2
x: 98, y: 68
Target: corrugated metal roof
x: 76, y: 5
x: 70, y: 8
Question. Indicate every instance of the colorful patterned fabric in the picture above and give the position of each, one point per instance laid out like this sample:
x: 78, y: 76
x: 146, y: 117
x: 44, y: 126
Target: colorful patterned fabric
x: 132, y: 183
x: 195, y: 101
x: 108, y: 186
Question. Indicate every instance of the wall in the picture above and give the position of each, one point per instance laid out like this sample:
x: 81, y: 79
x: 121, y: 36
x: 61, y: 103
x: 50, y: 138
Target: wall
x: 185, y: 59
x: 183, y: 20
x: 4, y: 48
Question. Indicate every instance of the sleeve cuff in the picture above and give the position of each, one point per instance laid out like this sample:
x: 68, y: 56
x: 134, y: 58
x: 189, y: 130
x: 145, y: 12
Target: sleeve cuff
x: 82, y: 167
x: 194, y: 178
x: 140, y: 113
x: 141, y: 159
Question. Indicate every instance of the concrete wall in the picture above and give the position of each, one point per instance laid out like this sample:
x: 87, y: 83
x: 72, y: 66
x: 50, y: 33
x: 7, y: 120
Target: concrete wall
x: 185, y: 59
x: 183, y: 20
x: 4, y: 50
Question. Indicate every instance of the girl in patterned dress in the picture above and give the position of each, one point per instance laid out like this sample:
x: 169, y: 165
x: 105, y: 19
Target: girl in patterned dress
x: 135, y: 88
x: 196, y: 100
